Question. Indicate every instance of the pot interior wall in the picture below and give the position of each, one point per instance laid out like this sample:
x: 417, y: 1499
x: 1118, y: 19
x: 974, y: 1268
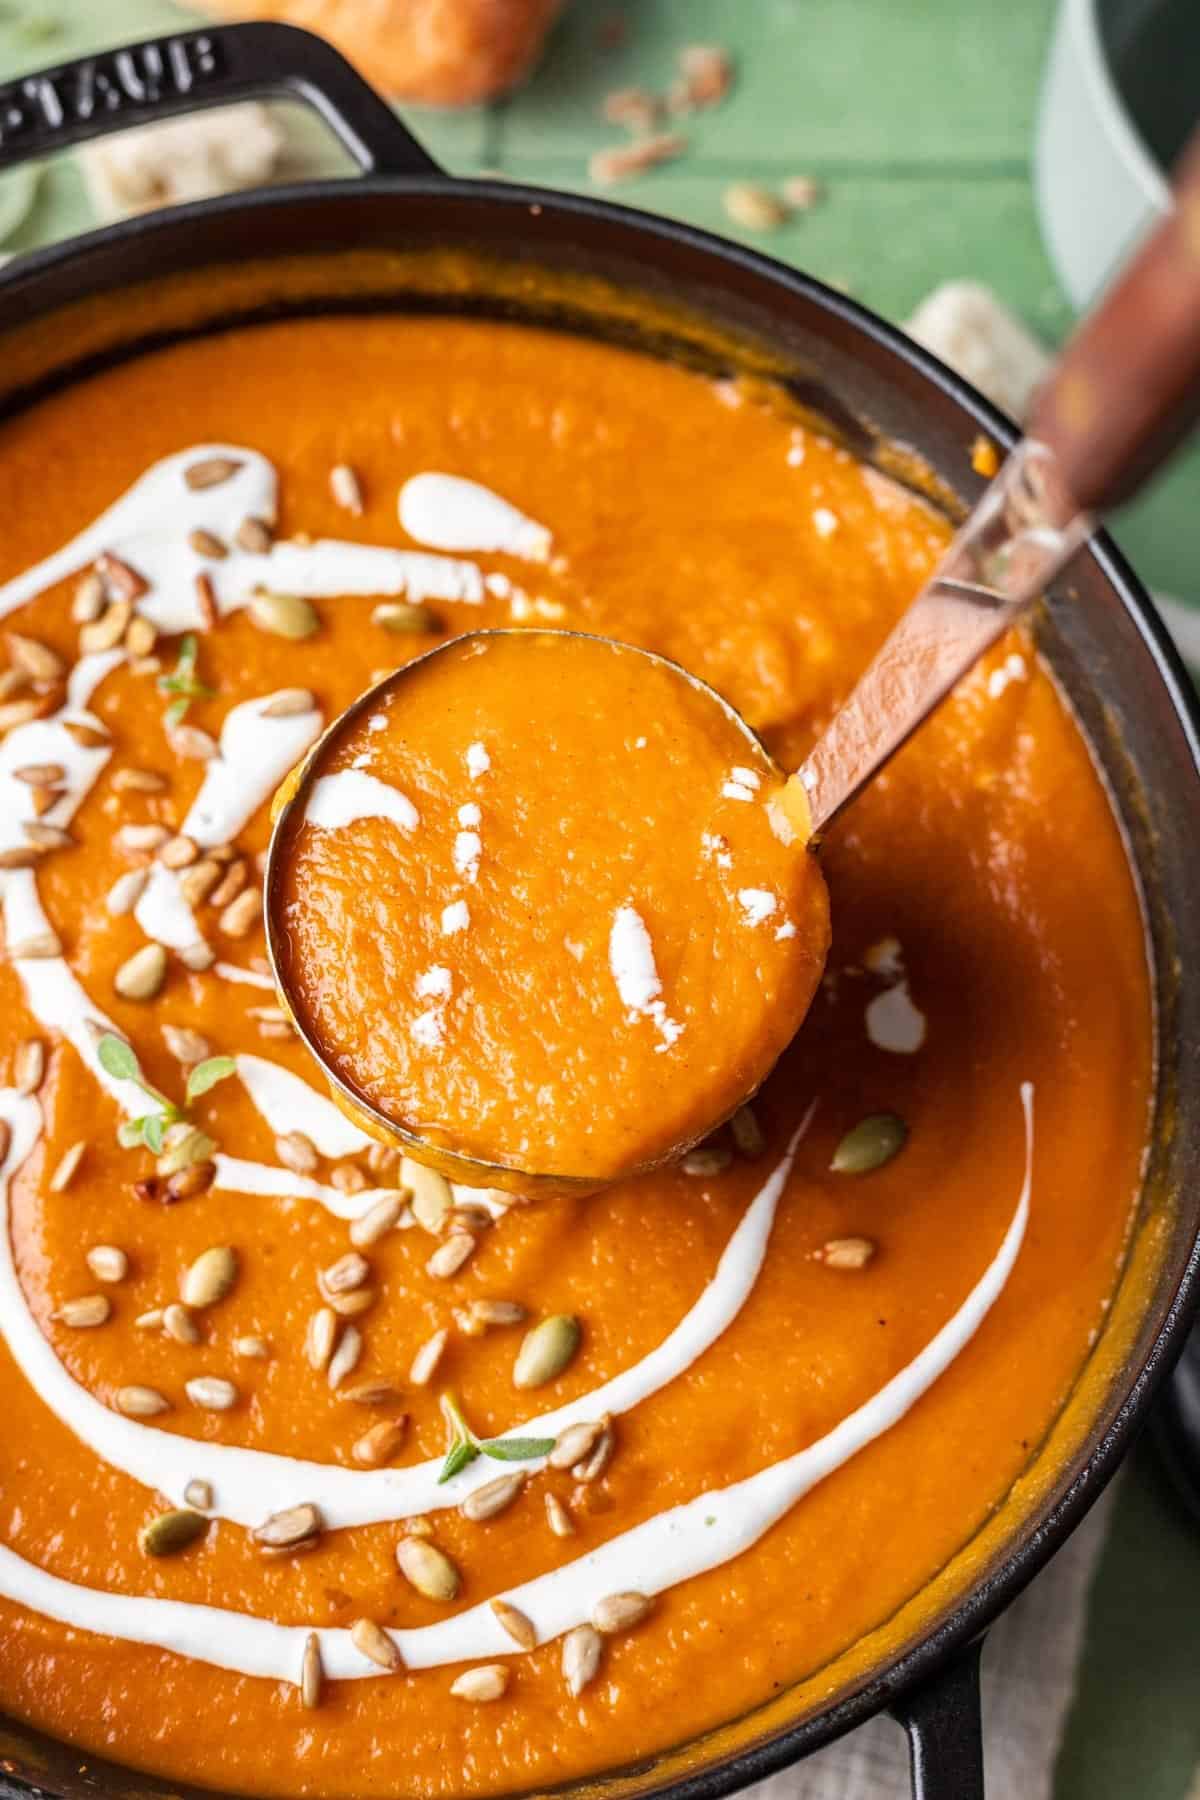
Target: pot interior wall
x: 577, y: 266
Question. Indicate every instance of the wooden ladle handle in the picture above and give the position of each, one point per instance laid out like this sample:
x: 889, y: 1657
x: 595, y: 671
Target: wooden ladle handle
x: 1126, y: 388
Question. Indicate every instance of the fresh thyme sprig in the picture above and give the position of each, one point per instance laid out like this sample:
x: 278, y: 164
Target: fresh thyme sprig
x: 183, y: 682
x: 119, y: 1059
x: 465, y: 1446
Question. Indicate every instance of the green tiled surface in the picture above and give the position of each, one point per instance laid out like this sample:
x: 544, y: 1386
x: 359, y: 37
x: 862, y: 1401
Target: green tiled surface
x: 917, y: 117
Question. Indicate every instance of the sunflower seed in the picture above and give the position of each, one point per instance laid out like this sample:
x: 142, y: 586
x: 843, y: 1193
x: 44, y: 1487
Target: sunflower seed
x: 185, y: 1184
x: 140, y: 638
x: 372, y: 1393
x: 21, y: 856
x: 427, y: 1568
x: 179, y: 1324
x: 345, y: 1358
x: 191, y: 743
x: 487, y: 1682
x: 20, y: 712
x: 178, y: 852
x: 581, y: 1657
x: 40, y: 774
x: 126, y: 891
x: 558, y: 1518
x: 88, y: 600
x: 212, y: 1393
x: 256, y: 1348
x: 210, y: 1277
x: 106, y: 632
x: 620, y: 1612
x: 708, y: 1159
x: 406, y: 618
x: 707, y: 73
x: 67, y: 1167
x: 346, y: 488
x: 574, y: 1443
x: 46, y: 837
x: 141, y: 1402
x: 29, y: 1066
x: 594, y: 1464
x: 350, y: 1306
x: 519, y: 1627
x: 40, y: 948
x: 5, y: 1141
x: 450, y: 1256
x: 846, y: 1253
x: 311, y: 1673
x: 432, y: 1198
x: 378, y: 1220
x: 197, y: 957
x: 34, y: 658
x: 171, y: 1532
x: 135, y: 840
x: 752, y: 207
x: 207, y: 609
x: 107, y: 1263
x: 425, y: 1362
x: 622, y: 162
x: 493, y: 1497
x: 85, y: 1312
x: 285, y: 1530
x: 349, y: 1271
x: 199, y: 1495
x: 284, y: 615
x: 348, y: 1178
x: 371, y: 1641
x: 241, y: 914
x: 546, y: 1351
x: 254, y: 535
x: 872, y: 1143
x: 206, y: 543
x: 320, y: 1338
x: 149, y: 1321
x: 185, y: 1045
x: 378, y: 1446
x: 198, y: 882
x: 210, y: 471
x: 498, y: 1312
x: 142, y: 975
x: 288, y: 703
x: 43, y: 799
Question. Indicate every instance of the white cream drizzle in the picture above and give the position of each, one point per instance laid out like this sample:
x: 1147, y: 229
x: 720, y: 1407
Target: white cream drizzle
x: 149, y: 527
x: 48, y: 741
x: 350, y: 795
x: 288, y: 1103
x: 631, y: 961
x: 451, y: 513
x: 665, y: 1550
x: 757, y: 904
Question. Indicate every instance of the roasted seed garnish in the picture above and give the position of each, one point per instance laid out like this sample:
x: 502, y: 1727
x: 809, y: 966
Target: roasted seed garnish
x: 594, y: 1464
x: 46, y: 837
x: 178, y: 852
x: 20, y: 712
x: 254, y: 535
x: 199, y: 1494
x: 137, y: 840
x: 374, y: 1643
x: 754, y: 208
x: 185, y: 1045
x: 142, y: 976
x: 29, y: 1066
x: 141, y: 1402
x: 284, y: 615
x: 285, y: 1530
x: 346, y: 488
x: 378, y: 1220
x: 88, y: 1310
x: 212, y: 1393
x: 210, y: 1277
x: 206, y: 543
x: 39, y: 948
x: 624, y: 161
x: 149, y: 1321
x: 35, y: 659
x: 846, y: 1253
x: 288, y: 703
x: 198, y: 882
x: 88, y: 601
x: 450, y: 1256
x: 581, y: 1657
x: 346, y: 1356
x: 21, y: 856
x: 349, y: 1306
x: 297, y: 1153
x: 140, y: 638
x: 179, y: 1324
x: 5, y: 1141
x: 487, y: 1682
x: 493, y: 1497
x: 349, y: 1271
x: 210, y: 471
x: 40, y: 774
x: 241, y: 914
x: 427, y: 1568
x: 431, y: 1195
x: 372, y: 1393
x: 405, y: 618
x: 873, y: 1142
x: 546, y: 1351
x: 106, y: 632
x: 378, y: 1446
x: 320, y: 1338
x: 126, y: 891
x: 425, y: 1362
x: 252, y: 1346
x: 558, y: 1518
x: 198, y: 956
x: 348, y: 1178
x: 107, y: 1263
x: 747, y: 1134
x: 519, y: 1627
x: 311, y: 1672
x: 707, y: 1159
x: 498, y: 1312
x: 620, y: 1612
x: 189, y: 741
x: 574, y: 1443
x: 172, y: 1531
x: 67, y: 1166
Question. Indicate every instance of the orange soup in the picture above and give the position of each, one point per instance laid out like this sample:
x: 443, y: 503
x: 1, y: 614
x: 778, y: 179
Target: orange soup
x: 327, y: 1476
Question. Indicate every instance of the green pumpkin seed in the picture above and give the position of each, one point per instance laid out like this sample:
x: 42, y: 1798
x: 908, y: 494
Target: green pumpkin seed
x: 546, y: 1351
x: 171, y: 1532
x: 427, y: 1568
x: 284, y: 615
x: 872, y: 1143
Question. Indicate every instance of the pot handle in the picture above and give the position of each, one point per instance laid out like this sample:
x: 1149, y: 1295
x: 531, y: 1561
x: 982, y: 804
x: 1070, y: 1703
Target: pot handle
x: 943, y: 1720
x: 138, y: 84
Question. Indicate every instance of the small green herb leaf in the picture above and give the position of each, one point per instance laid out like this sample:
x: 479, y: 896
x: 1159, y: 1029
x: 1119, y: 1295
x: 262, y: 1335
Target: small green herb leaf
x: 206, y: 1075
x: 516, y: 1449
x: 872, y: 1143
x: 117, y: 1058
x: 154, y: 1131
x: 457, y: 1457
x: 129, y: 1133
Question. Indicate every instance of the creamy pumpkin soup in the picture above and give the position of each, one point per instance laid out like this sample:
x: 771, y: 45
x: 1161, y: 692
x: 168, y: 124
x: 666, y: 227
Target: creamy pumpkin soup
x: 539, y: 903
x: 323, y: 1475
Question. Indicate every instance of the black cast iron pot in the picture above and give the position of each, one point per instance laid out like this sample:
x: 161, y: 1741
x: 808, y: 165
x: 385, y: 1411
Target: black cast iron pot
x: 405, y: 237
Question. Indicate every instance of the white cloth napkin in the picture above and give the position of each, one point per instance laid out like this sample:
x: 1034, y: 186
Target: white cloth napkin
x: 1029, y: 1663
